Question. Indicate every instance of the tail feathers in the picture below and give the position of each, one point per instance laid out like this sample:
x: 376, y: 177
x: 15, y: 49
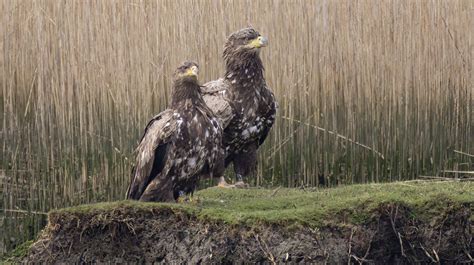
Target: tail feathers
x: 136, y: 187
x: 159, y: 190
x: 128, y: 194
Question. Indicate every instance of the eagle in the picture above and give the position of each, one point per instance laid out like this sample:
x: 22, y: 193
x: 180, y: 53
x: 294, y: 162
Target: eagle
x: 179, y: 145
x: 242, y: 101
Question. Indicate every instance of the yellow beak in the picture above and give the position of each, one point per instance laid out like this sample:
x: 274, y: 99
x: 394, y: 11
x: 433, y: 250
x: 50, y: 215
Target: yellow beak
x: 258, y: 42
x: 193, y: 71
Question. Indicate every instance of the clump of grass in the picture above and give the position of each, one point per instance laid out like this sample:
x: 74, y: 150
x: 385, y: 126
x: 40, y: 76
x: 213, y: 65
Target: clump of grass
x: 15, y: 255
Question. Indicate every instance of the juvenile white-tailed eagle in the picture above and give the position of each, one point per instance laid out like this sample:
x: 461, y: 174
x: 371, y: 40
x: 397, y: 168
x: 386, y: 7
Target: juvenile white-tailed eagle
x: 242, y: 101
x: 179, y: 145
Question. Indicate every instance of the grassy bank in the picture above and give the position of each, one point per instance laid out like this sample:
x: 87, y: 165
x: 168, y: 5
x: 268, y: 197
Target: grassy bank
x: 344, y: 209
x: 352, y: 204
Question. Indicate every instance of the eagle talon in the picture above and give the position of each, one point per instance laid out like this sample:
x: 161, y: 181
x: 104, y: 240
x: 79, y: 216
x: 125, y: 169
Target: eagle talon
x: 181, y: 197
x: 223, y: 184
x: 241, y: 185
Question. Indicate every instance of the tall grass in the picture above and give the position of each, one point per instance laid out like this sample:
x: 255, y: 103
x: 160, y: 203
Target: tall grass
x: 369, y: 91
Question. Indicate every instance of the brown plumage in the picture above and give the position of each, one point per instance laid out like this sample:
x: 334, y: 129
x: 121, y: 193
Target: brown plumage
x: 242, y: 101
x: 179, y: 145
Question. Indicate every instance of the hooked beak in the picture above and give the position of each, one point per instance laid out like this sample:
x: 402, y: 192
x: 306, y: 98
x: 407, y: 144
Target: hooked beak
x: 259, y: 42
x: 193, y: 71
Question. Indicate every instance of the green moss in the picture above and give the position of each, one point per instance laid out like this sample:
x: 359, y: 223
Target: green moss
x: 347, y: 204
x: 17, y: 253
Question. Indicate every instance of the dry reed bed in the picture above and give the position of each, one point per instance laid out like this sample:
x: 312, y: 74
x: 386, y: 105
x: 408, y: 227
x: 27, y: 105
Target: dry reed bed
x: 391, y: 80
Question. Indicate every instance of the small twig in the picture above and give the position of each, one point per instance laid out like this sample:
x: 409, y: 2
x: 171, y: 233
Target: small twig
x: 469, y: 256
x: 457, y: 171
x: 266, y: 251
x: 401, y: 244
x: 285, y: 141
x: 439, y: 178
x: 108, y: 140
x: 392, y: 221
x: 282, y: 143
x: 23, y: 211
x: 436, y: 255
x: 70, y: 247
x: 441, y: 231
x: 428, y: 254
x: 404, y: 184
x: 338, y: 136
x: 50, y: 254
x: 370, y: 244
x: 353, y: 256
x: 463, y: 153
x: 455, y: 44
x: 361, y: 260
x: 349, y: 252
x: 326, y: 254
x: 275, y: 191
x: 48, y: 17
x: 31, y: 90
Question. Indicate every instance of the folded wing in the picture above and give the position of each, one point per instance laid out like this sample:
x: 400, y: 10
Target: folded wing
x: 214, y: 94
x: 152, y: 153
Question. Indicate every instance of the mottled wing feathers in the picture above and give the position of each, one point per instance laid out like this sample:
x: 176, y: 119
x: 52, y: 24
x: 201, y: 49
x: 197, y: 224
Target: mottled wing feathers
x: 159, y: 121
x: 214, y: 94
x: 269, y: 118
x: 152, y: 152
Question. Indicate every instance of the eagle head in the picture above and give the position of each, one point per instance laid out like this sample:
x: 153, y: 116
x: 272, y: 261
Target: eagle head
x: 245, y: 41
x: 187, y: 72
x: 185, y: 83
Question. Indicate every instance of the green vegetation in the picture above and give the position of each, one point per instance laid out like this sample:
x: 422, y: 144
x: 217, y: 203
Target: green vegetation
x: 17, y: 253
x: 351, y: 204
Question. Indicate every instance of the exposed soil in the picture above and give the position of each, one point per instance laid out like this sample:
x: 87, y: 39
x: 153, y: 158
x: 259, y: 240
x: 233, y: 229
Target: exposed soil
x: 123, y: 235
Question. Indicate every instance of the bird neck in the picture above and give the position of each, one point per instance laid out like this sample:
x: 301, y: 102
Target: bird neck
x: 245, y: 71
x: 183, y: 90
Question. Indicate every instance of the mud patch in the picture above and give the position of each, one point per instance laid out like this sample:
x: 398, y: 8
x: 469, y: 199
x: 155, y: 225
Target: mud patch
x: 126, y: 234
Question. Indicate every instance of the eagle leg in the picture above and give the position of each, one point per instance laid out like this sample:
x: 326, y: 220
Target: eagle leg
x: 223, y: 184
x: 245, y: 164
x: 240, y: 182
x: 181, y: 197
